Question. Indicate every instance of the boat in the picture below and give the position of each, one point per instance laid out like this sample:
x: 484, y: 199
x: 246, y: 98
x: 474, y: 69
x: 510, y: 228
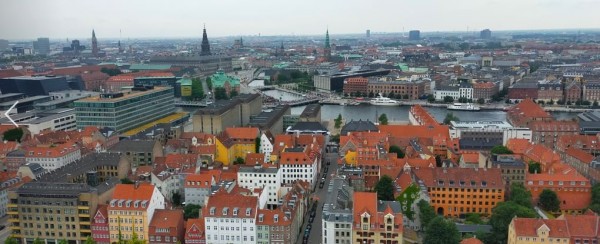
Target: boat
x: 463, y: 106
x: 383, y: 101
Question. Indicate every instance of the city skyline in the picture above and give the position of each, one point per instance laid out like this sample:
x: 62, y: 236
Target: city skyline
x: 150, y: 19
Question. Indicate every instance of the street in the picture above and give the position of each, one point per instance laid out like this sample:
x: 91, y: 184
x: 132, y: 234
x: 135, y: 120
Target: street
x: 320, y: 195
x: 4, y: 233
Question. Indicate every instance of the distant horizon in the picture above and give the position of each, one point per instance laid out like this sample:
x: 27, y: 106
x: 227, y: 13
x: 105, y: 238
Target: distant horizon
x: 331, y: 33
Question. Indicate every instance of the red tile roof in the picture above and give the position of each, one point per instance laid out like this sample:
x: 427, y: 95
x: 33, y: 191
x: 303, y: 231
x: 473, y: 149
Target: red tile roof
x: 415, y: 131
x: 205, y: 179
x: 470, y: 158
x: 254, y: 158
x: 472, y: 240
x: 364, y: 202
x: 5, y: 73
x: 295, y: 158
x: 453, y: 177
x: 526, y: 110
x: 580, y: 155
x: 165, y: 218
x: 242, y: 133
x: 194, y: 230
x: 143, y: 192
x: 225, y: 205
x: 518, y: 146
x: 423, y: 116
x: 527, y: 227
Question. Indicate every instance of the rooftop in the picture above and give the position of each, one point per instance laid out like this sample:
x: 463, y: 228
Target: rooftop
x: 126, y: 95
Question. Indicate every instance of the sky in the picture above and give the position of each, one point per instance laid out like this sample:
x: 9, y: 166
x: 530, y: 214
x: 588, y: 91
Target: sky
x: 29, y: 19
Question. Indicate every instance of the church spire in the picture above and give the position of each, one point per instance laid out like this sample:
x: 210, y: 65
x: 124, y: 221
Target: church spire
x: 205, y: 45
x: 94, y: 44
x: 327, y: 49
x: 327, y: 39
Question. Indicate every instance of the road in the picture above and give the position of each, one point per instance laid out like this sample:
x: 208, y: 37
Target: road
x: 6, y: 231
x: 320, y: 194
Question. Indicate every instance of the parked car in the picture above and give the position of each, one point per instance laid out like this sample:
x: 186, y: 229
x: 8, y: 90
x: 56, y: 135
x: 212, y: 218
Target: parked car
x: 311, y: 219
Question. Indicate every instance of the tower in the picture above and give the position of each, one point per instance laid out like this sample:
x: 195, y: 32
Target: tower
x: 94, y: 44
x: 120, y: 48
x: 281, y: 51
x: 205, y: 45
x: 327, y: 50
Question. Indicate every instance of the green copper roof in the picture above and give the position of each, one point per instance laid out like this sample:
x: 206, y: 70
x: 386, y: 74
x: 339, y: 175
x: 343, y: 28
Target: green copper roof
x: 219, y: 79
x: 185, y: 81
x: 281, y: 65
x: 150, y: 66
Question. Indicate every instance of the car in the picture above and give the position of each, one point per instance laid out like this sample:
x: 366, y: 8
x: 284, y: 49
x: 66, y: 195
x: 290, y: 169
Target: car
x: 313, y: 213
x: 323, y: 179
x: 309, y: 226
x: 321, y: 185
x: 311, y: 219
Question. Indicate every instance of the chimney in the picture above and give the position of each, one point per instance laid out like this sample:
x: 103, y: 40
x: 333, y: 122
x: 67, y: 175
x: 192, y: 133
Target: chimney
x: 136, y: 184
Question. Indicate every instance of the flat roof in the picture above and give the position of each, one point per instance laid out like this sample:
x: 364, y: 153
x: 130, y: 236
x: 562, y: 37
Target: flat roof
x: 167, y: 119
x: 126, y: 95
x: 481, y: 124
x: 24, y: 100
x: 10, y: 95
x: 32, y: 77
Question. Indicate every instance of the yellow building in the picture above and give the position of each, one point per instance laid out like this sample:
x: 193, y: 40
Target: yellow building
x: 131, y: 210
x: 376, y: 221
x: 186, y: 87
x: 236, y: 142
x: 536, y: 230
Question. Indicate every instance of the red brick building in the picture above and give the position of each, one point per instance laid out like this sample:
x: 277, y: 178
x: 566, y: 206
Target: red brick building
x: 591, y: 91
x: 355, y: 84
x: 194, y: 231
x: 93, y: 81
x: 573, y: 92
x: 166, y: 226
x: 484, y: 90
x: 404, y: 89
x: 550, y: 91
x: 584, y: 163
x: 525, y: 112
x: 548, y: 132
x: 573, y: 189
x: 523, y: 90
x: 100, y: 227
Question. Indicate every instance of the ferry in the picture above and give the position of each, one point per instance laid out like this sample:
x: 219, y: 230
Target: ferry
x: 463, y: 106
x: 384, y: 101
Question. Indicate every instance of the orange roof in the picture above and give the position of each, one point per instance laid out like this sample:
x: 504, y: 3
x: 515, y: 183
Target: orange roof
x: 242, y: 132
x: 53, y: 151
x: 254, y: 158
x: 518, y: 146
x: 483, y: 85
x: 364, y: 202
x: 203, y: 180
x: 268, y: 217
x: 454, y: 177
x: 143, y: 192
x: 165, y: 218
x: 470, y: 158
x: 295, y: 158
x: 525, y: 110
x: 555, y: 126
x: 566, y: 175
x: 181, y: 161
x: 194, y: 229
x: 231, y: 205
x: 472, y: 240
x: 423, y: 116
x: 415, y: 131
x: 580, y: 155
x: 541, y: 154
x: 527, y: 227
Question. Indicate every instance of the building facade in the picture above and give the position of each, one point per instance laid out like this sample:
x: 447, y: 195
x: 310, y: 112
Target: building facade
x: 376, y: 221
x: 131, y: 210
x: 353, y: 85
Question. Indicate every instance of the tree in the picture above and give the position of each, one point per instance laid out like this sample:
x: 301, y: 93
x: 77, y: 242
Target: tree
x: 233, y: 93
x: 11, y: 240
x: 405, y: 96
x: 209, y: 83
x: 220, y: 94
x: 463, y: 100
x: 13, y: 135
x: 430, y: 98
x: 499, y: 149
x: 502, y: 214
x: 197, y: 90
x: 63, y: 241
x: 448, y: 99
x: 191, y: 211
x: 534, y: 167
x: 371, y: 94
x: 520, y: 195
x: 385, y: 189
x: 383, y: 120
x: 176, y: 198
x: 111, y: 71
x: 257, y: 144
x: 441, y: 231
x: 397, y: 150
x: 338, y: 121
x: 549, y: 200
x: 89, y: 240
x: 238, y: 160
x: 595, y: 104
x: 126, y: 181
x: 335, y: 138
x: 551, y: 102
x: 481, y: 101
x: 595, y: 205
x: 426, y: 213
x: 38, y: 241
x: 473, y: 218
x: 449, y: 118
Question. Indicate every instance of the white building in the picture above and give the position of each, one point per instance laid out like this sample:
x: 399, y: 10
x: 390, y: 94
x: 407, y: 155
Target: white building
x: 230, y: 218
x: 197, y: 187
x: 266, y: 146
x: 51, y: 158
x: 168, y: 182
x: 266, y: 178
x: 55, y: 120
x: 454, y: 92
x: 487, y: 129
x: 6, y: 185
x: 296, y: 165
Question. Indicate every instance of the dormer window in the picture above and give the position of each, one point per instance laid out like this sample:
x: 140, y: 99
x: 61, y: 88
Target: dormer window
x: 235, y: 211
x: 261, y: 218
x: 120, y: 204
x: 473, y: 183
x: 440, y: 182
x: 365, y: 219
x: 276, y: 218
x: 484, y: 183
x: 248, y: 210
x: 225, y: 210
x: 212, y: 211
x: 451, y: 182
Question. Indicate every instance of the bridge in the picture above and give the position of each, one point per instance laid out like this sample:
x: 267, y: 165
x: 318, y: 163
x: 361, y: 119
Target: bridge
x: 301, y: 102
x: 190, y: 104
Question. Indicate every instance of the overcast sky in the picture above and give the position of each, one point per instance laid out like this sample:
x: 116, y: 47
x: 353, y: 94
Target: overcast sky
x: 28, y: 19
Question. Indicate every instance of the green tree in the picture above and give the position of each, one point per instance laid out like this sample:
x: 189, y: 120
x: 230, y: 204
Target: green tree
x: 209, y: 84
x: 63, y: 241
x: 520, y: 195
x: 535, y: 167
x: 191, y: 211
x: 89, y: 240
x: 397, y: 150
x: 502, y: 214
x: 430, y: 98
x: 126, y: 181
x: 551, y: 102
x: 385, y: 189
x: 499, y: 149
x: 383, y: 120
x: 595, y: 204
x: 338, y: 121
x: 334, y: 138
x: 449, y: 118
x: 283, y: 77
x: 257, y: 144
x: 407, y: 199
x: 405, y: 96
x: 473, y: 218
x: 371, y: 94
x: 111, y: 71
x: 220, y: 94
x: 549, y: 200
x: 448, y: 99
x: 481, y: 101
x: 37, y: 241
x: 463, y: 100
x: 233, y: 93
x: 13, y: 135
x: 176, y: 198
x: 197, y: 90
x: 238, y: 160
x: 595, y: 104
x: 441, y: 231
x: 426, y: 213
x: 11, y: 240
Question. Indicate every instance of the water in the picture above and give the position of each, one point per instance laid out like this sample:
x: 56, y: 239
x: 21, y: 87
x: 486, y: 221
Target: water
x: 400, y: 113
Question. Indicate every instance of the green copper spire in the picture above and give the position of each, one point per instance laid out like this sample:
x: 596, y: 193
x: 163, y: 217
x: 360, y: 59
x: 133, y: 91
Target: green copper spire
x: 327, y: 39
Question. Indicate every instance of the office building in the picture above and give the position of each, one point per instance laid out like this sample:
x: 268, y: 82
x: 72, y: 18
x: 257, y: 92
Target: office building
x: 52, y: 212
x: 123, y: 111
x: 41, y: 46
x: 414, y: 35
x: 39, y: 121
x: 214, y: 118
x: 485, y: 34
x: 335, y: 82
x: 33, y: 85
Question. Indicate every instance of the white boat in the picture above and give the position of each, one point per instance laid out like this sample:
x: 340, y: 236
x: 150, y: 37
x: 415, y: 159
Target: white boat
x: 383, y: 101
x: 463, y: 106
